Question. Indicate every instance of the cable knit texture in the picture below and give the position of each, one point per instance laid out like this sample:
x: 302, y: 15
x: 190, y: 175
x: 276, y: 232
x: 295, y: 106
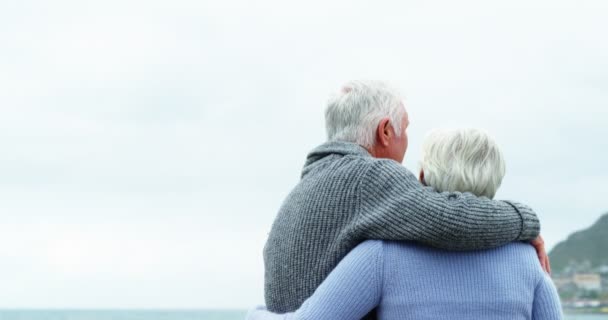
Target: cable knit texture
x: 410, y: 281
x: 345, y: 196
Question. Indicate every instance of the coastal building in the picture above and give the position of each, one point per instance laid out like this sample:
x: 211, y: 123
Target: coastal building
x: 603, y: 271
x: 588, y: 281
x: 562, y: 281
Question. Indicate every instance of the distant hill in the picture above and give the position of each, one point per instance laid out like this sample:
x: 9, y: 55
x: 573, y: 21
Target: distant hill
x: 590, y: 244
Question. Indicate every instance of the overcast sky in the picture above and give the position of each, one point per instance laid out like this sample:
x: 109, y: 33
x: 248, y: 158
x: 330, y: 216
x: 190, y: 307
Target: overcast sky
x: 147, y: 145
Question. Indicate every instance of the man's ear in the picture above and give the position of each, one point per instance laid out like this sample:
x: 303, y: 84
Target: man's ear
x: 383, y: 133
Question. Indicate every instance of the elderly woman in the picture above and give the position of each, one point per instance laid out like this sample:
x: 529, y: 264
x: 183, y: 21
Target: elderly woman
x: 409, y: 281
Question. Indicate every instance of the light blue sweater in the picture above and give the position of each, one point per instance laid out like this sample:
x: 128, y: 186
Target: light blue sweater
x: 410, y: 281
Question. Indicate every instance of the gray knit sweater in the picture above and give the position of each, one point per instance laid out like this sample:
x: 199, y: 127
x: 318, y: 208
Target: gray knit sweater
x: 346, y: 196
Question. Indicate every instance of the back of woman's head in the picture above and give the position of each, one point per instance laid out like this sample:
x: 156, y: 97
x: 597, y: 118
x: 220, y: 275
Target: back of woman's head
x: 463, y: 160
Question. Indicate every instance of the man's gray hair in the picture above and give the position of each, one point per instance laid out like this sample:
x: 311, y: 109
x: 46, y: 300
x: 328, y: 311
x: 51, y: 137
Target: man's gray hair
x: 354, y: 113
x: 463, y: 160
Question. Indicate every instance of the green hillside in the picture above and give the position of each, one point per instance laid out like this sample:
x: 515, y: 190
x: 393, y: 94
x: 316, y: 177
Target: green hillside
x: 590, y: 244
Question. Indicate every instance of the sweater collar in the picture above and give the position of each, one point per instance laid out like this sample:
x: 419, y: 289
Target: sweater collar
x: 335, y: 147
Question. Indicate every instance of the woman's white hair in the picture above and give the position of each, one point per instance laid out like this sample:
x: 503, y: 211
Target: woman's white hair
x: 463, y: 160
x: 354, y: 113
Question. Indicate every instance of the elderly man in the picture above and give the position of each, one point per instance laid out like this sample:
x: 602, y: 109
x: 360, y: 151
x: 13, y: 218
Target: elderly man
x: 354, y: 188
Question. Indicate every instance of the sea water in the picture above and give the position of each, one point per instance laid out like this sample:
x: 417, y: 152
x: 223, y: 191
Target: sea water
x: 122, y: 314
x: 159, y: 315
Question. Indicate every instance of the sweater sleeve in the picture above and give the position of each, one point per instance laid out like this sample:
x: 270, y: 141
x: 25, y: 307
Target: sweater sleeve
x: 393, y: 205
x: 350, y: 291
x: 546, y: 301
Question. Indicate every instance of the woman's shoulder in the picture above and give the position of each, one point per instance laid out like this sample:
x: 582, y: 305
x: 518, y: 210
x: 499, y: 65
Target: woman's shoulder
x: 518, y: 251
x: 369, y: 252
x: 518, y: 254
x: 369, y: 246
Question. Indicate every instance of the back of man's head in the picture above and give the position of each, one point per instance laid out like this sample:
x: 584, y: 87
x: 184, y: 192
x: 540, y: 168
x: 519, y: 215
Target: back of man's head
x: 353, y: 114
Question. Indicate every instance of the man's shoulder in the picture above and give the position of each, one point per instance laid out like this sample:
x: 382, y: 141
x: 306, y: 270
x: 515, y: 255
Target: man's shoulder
x: 387, y: 173
x: 352, y: 166
x: 371, y: 173
x: 388, y: 168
